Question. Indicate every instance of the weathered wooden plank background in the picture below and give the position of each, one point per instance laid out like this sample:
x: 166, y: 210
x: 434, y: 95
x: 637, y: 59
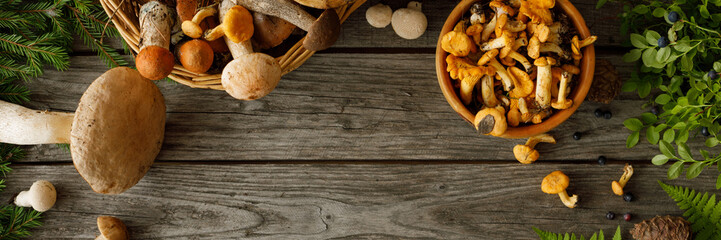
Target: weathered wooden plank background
x: 357, y: 143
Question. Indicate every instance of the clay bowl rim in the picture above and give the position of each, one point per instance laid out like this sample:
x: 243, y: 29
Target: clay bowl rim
x: 584, y: 79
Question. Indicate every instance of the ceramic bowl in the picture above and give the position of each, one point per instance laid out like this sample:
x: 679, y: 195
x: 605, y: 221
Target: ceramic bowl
x: 578, y: 94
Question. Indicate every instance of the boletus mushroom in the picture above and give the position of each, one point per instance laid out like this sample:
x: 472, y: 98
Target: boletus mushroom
x: 155, y: 61
x: 322, y: 32
x: 270, y: 31
x: 196, y: 55
x: 114, y: 135
x: 556, y: 183
x: 111, y: 228
x: 41, y: 196
x: 409, y: 23
x: 250, y: 75
x: 526, y: 154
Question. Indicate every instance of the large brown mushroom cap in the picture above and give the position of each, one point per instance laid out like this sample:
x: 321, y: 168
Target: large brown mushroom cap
x: 117, y: 130
x: 196, y: 55
x: 555, y: 183
x: 154, y: 62
x: 111, y: 228
x: 251, y: 76
x: 324, y: 32
x: 270, y: 31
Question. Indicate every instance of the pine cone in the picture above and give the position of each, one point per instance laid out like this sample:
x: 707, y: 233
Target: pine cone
x: 606, y: 82
x: 666, y: 227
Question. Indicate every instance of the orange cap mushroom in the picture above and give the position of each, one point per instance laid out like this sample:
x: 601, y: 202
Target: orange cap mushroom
x: 556, y: 183
x: 155, y: 61
x: 618, y: 186
x: 526, y: 154
x: 196, y: 55
x: 237, y: 26
x: 490, y: 121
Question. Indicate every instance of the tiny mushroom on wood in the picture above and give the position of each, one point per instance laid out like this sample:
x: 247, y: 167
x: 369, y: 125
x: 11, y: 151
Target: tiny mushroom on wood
x: 196, y: 55
x: 323, y: 31
x: 41, y: 196
x: 250, y: 75
x: 379, y: 15
x: 111, y: 228
x: 155, y: 61
x: 114, y: 135
x: 491, y: 121
x: 270, y: 31
x: 192, y: 28
x: 556, y: 183
x: 526, y: 154
x: 617, y: 187
x: 409, y: 23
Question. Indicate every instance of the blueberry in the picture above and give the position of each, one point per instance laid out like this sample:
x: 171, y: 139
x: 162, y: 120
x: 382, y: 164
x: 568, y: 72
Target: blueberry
x: 607, y: 115
x: 663, y: 42
x: 655, y: 110
x: 610, y: 215
x: 601, y: 160
x: 627, y: 217
x: 598, y: 113
x: 672, y: 16
x: 705, y: 132
x: 712, y: 74
x: 628, y: 197
x: 577, y: 136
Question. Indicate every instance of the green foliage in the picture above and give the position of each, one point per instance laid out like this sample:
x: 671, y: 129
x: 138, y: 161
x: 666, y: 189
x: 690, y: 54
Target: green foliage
x: 9, y: 153
x: 690, y: 100
x: 545, y: 235
x: 38, y: 33
x: 702, y: 211
x: 17, y: 222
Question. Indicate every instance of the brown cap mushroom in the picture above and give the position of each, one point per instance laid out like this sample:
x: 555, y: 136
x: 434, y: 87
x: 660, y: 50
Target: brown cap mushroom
x: 379, y: 15
x: 155, y: 61
x: 41, y: 196
x: 409, y: 23
x: 270, y: 31
x: 324, y: 4
x: 250, y: 75
x: 490, y: 121
x: 323, y: 31
x: 526, y: 154
x: 114, y: 136
x: 556, y: 183
x: 111, y: 228
x: 617, y: 187
x: 186, y: 9
x: 237, y: 26
x: 196, y: 55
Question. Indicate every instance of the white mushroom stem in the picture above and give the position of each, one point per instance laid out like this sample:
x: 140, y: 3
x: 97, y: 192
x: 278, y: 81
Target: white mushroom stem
x: 40, y: 197
x: 515, y: 26
x: 627, y: 173
x: 23, y: 126
x: 156, y: 21
x: 519, y: 42
x: 565, y: 79
x: 192, y: 28
x: 488, y: 29
x: 551, y: 47
x: 522, y: 59
x: 505, y: 77
x: 543, y: 83
x: 523, y: 108
x: 489, y: 96
x: 498, y: 42
x: 569, y: 201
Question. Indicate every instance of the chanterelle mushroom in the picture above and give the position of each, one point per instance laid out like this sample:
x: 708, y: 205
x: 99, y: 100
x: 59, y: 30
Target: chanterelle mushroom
x: 409, y: 23
x: 111, y: 228
x: 562, y: 102
x: 470, y: 77
x: 379, y: 15
x: 543, y: 81
x: 155, y: 61
x: 556, y: 183
x: 456, y: 42
x: 491, y: 121
x: 617, y: 187
x: 526, y: 154
x: 41, y: 196
x: 114, y: 136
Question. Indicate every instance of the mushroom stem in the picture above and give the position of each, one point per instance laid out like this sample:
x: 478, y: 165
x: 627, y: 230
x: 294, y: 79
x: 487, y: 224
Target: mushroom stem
x: 23, y: 126
x: 523, y: 108
x: 489, y: 96
x: 569, y: 201
x: 562, y: 102
x: 520, y: 58
x: 543, y: 82
x: 543, y: 138
x: 488, y: 29
x: 501, y: 71
x: 192, y: 28
x: 156, y: 21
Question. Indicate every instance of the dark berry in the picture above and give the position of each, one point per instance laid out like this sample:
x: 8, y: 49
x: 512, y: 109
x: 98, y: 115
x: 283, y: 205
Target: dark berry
x: 601, y: 160
x: 607, y: 115
x: 672, y: 16
x: 712, y: 74
x: 627, y: 217
x: 628, y: 197
x: 577, y: 136
x: 705, y: 132
x: 598, y: 113
x: 655, y: 110
x: 610, y: 215
x: 662, y: 42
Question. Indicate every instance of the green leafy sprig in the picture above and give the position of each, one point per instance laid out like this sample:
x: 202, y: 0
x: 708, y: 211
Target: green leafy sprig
x: 545, y: 235
x: 702, y: 211
x: 689, y: 99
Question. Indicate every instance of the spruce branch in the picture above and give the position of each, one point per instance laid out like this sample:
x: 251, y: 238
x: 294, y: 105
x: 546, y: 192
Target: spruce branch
x: 17, y: 222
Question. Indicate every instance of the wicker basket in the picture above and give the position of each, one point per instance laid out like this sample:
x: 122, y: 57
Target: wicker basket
x: 126, y: 21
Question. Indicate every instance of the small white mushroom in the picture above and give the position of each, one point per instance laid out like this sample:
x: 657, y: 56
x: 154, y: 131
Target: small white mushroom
x: 543, y: 81
x: 409, y: 23
x: 40, y: 197
x: 379, y: 16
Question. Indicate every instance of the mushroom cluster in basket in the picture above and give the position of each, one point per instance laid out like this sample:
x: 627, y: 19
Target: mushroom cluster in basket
x: 514, y: 62
x: 204, y: 35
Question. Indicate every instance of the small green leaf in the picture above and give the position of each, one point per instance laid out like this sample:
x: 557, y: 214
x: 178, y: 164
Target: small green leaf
x: 633, y: 124
x: 638, y: 41
x: 648, y: 118
x: 679, y: 125
x: 704, y: 153
x: 717, y: 66
x: 666, y: 149
x: 640, y: 9
x: 644, y: 89
x: 652, y: 37
x: 682, y: 101
x: 663, y: 54
x: 659, y: 160
x: 663, y: 99
x: 649, y: 57
x: 711, y: 142
x: 669, y: 135
x: 718, y: 182
x: 684, y: 152
x: 652, y: 136
x: 659, y: 12
x: 632, y: 139
x: 633, y: 55
x: 675, y: 170
x: 617, y: 235
x: 694, y: 170
x: 600, y: 3
x: 704, y: 11
x: 682, y: 46
x: 682, y: 136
